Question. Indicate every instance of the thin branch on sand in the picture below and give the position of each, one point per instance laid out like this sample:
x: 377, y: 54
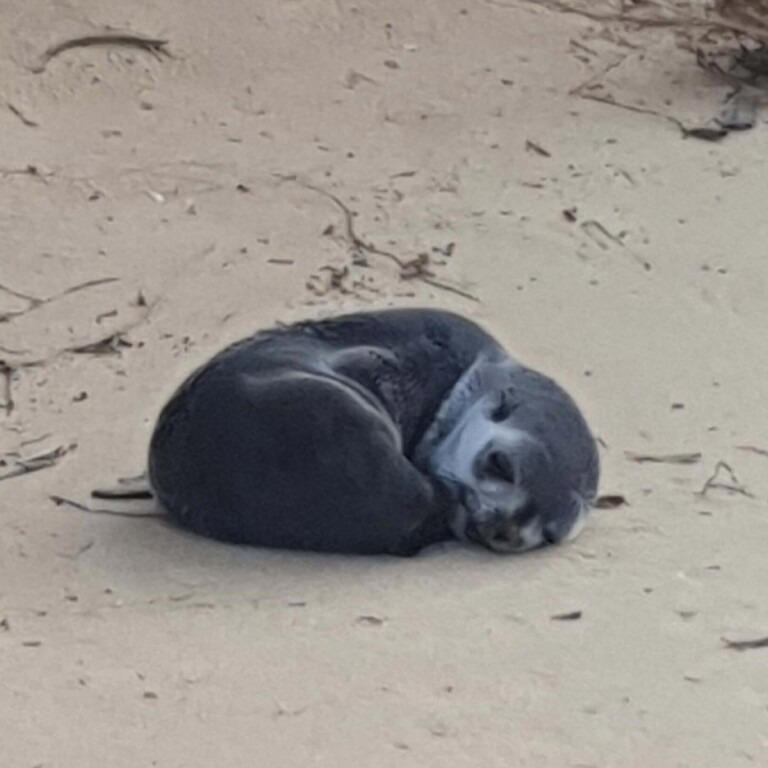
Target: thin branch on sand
x: 59, y: 500
x: 732, y: 484
x: 38, y: 462
x: 24, y: 119
x: 753, y: 449
x: 359, y: 245
x: 35, y: 302
x: 663, y: 458
x: 746, y: 645
x: 154, y: 45
x: 414, y: 269
x: 6, y: 371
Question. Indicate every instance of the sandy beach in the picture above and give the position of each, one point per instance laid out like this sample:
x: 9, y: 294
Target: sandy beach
x: 239, y: 164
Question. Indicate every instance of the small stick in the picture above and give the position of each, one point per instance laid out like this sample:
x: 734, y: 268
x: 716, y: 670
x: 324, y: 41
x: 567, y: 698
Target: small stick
x: 127, y: 488
x: 6, y: 371
x: 59, y: 500
x: 532, y: 146
x: 24, y: 119
x: 152, y: 44
x: 449, y: 288
x: 709, y: 134
x: 664, y: 458
x: 745, y: 645
x: 36, y: 303
x: 582, y: 47
x: 358, y: 243
x: 752, y: 449
x: 107, y: 345
x: 33, y: 440
x: 734, y: 485
x: 361, y: 245
x: 592, y: 224
x: 117, y: 493
x: 82, y: 286
x: 570, y: 616
x: 38, y: 462
x: 33, y: 300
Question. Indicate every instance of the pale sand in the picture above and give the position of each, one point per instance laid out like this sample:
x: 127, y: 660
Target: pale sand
x: 127, y: 643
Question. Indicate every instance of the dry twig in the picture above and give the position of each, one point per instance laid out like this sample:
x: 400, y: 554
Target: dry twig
x: 127, y: 488
x: 110, y: 344
x: 734, y: 485
x: 663, y: 458
x: 594, y: 230
x: 24, y: 119
x: 359, y: 245
x: 532, y: 146
x: 408, y: 270
x: 154, y: 45
x: 59, y: 500
x: 35, y: 302
x: 6, y: 371
x: 570, y: 616
x: 38, y: 462
x: 745, y: 645
x: 752, y: 449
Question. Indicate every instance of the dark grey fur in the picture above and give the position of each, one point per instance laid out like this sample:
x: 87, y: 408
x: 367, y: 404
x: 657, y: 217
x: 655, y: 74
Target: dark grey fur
x: 351, y: 435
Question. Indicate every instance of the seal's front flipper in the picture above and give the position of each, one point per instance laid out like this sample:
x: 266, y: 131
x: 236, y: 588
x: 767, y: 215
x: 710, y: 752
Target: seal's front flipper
x: 127, y: 488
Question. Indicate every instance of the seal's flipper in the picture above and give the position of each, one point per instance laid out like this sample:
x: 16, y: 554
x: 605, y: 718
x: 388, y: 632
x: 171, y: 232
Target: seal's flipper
x: 127, y: 488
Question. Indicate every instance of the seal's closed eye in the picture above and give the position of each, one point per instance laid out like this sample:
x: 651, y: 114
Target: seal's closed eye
x: 504, y: 406
x: 502, y: 409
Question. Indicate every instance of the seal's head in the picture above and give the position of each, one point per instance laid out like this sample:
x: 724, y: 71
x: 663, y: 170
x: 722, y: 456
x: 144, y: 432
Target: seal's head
x: 519, y: 459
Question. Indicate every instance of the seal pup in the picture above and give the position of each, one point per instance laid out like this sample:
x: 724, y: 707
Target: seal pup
x: 374, y: 432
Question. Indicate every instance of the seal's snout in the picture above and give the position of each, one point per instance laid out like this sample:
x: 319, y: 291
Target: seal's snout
x: 497, y: 534
x: 504, y: 531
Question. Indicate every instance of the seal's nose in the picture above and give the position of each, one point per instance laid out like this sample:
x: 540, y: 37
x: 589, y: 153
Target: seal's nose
x: 551, y: 534
x: 497, y: 532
